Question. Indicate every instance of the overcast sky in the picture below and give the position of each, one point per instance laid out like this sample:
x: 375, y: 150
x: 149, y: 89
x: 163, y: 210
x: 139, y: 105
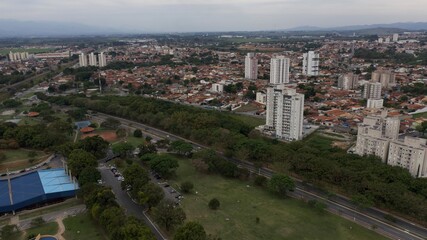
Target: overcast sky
x: 215, y: 15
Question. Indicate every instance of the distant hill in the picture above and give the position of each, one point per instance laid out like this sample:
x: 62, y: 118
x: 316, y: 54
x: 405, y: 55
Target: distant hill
x: 14, y: 28
x: 409, y: 26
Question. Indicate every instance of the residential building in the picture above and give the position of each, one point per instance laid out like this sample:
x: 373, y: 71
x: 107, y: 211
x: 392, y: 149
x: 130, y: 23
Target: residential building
x: 251, y: 66
x: 102, y: 59
x: 285, y: 108
x: 310, y: 63
x: 386, y: 78
x: 261, y: 97
x: 82, y: 60
x: 348, y: 81
x: 372, y: 90
x: 374, y: 135
x: 17, y: 56
x: 92, y: 59
x: 279, y: 70
x: 395, y: 37
x: 217, y: 88
x: 411, y: 153
x: 375, y: 103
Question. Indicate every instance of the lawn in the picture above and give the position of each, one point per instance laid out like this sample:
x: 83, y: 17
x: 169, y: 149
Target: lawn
x: 45, y: 229
x: 242, y: 203
x: 251, y: 121
x: 20, y: 154
x: 420, y: 115
x: 134, y: 141
x: 82, y: 227
x: 250, y: 107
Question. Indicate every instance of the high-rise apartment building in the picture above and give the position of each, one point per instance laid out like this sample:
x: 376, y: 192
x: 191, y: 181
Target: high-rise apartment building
x: 374, y: 135
x: 251, y: 66
x: 386, y: 78
x: 372, y: 90
x: 395, y: 37
x: 310, y: 63
x: 102, y: 59
x: 17, y: 56
x: 92, y: 59
x: 411, y: 153
x: 82, y: 60
x: 279, y: 70
x: 348, y: 81
x: 285, y: 108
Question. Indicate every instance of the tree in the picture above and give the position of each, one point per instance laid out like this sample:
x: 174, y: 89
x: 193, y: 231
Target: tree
x: 181, y: 147
x: 121, y: 132
x: 80, y: 159
x: 89, y: 175
x: 110, y: 123
x: 165, y: 165
x: 123, y: 149
x: 168, y: 215
x: 318, y: 206
x: 147, y: 149
x: 137, y: 133
x: 133, y: 229
x: 214, y: 204
x: 190, y: 231
x: 187, y: 186
x: 260, y: 180
x: 150, y: 194
x: 112, y: 218
x: 280, y: 184
x: 95, y: 145
x: 8, y: 231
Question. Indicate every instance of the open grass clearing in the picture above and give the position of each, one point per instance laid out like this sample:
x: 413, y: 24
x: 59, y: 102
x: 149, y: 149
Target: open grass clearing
x: 82, y: 227
x: 242, y: 203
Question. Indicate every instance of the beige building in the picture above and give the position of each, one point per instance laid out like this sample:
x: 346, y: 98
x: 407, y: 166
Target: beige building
x: 374, y: 135
x: 386, y: 78
x: 348, y: 81
x: 410, y: 154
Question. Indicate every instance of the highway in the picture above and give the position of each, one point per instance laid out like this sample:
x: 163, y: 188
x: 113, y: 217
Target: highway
x: 401, y: 229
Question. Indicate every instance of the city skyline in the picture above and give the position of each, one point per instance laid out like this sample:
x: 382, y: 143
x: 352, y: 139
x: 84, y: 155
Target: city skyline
x: 217, y: 15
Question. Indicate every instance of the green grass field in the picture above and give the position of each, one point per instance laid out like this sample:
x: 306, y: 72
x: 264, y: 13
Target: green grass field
x: 248, y: 40
x: 418, y: 115
x: 135, y: 141
x: 241, y: 204
x: 82, y: 227
x: 252, y: 121
x: 46, y: 229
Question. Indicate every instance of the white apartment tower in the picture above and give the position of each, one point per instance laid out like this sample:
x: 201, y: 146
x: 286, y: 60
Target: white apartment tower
x: 310, y: 63
x: 411, y: 153
x: 374, y: 135
x: 348, y: 81
x: 92, y: 59
x: 102, y: 59
x: 285, y: 110
x: 279, y: 70
x: 372, y: 90
x: 395, y: 37
x: 251, y: 66
x: 82, y: 60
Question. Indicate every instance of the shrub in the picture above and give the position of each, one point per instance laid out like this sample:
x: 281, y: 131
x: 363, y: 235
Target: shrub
x: 187, y: 186
x: 214, y: 204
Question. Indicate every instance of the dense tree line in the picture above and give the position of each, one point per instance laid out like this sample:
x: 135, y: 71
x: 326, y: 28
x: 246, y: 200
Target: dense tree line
x: 386, y: 186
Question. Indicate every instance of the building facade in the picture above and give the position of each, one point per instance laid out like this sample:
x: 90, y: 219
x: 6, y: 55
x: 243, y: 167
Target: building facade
x: 410, y: 154
x: 102, y: 59
x: 386, y: 78
x: 348, y: 81
x: 310, y: 63
x: 279, y: 70
x: 372, y: 90
x: 82, y: 60
x: 92, y: 59
x: 285, y: 110
x: 251, y: 66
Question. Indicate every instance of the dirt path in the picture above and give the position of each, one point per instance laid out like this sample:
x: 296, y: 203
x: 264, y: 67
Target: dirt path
x: 61, y: 229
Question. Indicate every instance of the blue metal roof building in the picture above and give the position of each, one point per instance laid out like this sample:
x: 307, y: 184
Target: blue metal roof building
x: 36, y: 187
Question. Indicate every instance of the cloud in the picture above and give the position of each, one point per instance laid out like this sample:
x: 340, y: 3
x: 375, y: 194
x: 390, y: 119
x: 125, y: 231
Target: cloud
x: 212, y: 15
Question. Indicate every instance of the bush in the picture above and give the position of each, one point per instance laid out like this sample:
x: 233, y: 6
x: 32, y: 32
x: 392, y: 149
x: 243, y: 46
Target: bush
x: 260, y: 181
x: 214, y: 204
x: 137, y: 133
x: 36, y: 222
x: 186, y: 187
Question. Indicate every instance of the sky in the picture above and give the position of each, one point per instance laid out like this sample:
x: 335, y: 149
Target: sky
x: 214, y: 15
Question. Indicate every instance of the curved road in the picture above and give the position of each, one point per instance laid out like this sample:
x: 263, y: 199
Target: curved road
x: 401, y: 229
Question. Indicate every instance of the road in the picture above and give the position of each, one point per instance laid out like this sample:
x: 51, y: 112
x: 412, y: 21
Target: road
x: 123, y: 199
x: 401, y: 229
